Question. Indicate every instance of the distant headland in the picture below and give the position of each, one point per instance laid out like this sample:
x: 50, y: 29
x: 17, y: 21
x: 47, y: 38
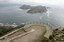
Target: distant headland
x: 34, y: 9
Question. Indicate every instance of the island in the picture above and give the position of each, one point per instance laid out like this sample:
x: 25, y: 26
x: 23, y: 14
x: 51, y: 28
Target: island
x: 37, y: 9
x: 34, y: 9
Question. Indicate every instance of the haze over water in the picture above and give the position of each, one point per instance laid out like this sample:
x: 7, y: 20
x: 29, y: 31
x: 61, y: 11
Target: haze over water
x: 11, y: 13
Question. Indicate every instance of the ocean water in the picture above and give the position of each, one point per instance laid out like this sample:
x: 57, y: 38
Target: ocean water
x: 13, y: 14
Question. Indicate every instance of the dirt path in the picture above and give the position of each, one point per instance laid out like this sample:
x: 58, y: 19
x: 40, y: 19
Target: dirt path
x: 35, y: 35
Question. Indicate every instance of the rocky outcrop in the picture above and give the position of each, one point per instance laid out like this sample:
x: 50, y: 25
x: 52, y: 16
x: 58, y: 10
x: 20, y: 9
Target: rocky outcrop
x: 58, y: 35
x: 37, y: 9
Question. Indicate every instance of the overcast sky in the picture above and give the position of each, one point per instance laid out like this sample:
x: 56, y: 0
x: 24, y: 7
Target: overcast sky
x: 56, y: 2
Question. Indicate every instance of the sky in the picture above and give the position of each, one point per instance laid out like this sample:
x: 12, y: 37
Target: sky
x: 56, y: 2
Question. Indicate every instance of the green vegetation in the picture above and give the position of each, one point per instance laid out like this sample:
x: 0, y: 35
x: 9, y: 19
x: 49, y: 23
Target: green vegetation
x: 20, y: 26
x: 6, y: 29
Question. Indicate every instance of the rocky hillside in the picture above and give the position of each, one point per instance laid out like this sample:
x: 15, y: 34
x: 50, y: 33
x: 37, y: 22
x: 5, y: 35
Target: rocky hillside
x: 58, y: 35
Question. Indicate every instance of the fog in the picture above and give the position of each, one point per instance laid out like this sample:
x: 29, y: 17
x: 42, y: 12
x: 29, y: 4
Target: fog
x: 54, y: 2
x: 11, y: 13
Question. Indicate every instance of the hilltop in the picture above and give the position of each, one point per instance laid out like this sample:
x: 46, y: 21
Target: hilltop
x: 35, y: 33
x: 28, y: 33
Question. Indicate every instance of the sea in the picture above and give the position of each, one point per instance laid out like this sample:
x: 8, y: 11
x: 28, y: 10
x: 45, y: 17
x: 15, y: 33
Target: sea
x: 10, y: 14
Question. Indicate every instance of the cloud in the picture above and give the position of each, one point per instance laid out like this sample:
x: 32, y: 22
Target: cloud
x: 59, y: 2
x: 9, y: 1
x: 56, y: 1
